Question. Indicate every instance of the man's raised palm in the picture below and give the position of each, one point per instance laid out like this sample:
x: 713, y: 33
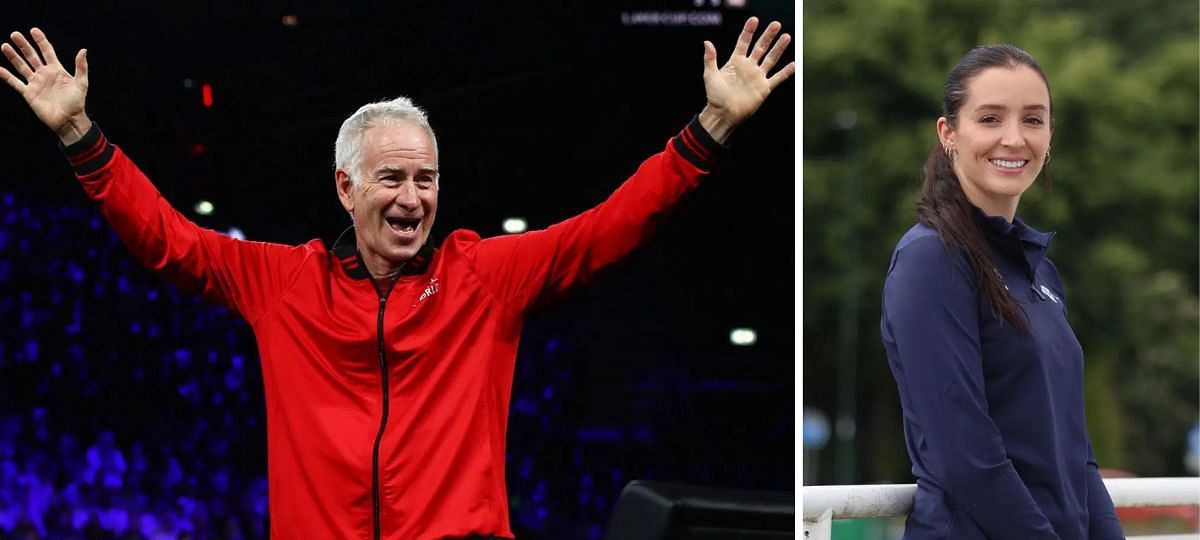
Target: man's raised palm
x: 737, y: 89
x: 56, y: 97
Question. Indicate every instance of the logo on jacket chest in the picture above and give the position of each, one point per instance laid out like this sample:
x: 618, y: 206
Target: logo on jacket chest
x: 1048, y: 294
x: 430, y: 290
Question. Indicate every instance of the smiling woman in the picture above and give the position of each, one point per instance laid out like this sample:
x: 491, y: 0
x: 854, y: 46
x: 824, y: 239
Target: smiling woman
x: 989, y: 372
x: 1001, y: 135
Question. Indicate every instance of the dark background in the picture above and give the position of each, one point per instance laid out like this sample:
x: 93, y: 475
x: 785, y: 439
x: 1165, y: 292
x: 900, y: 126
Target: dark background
x: 540, y: 109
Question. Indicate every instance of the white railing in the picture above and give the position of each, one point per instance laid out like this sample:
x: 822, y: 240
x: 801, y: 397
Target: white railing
x: 823, y: 504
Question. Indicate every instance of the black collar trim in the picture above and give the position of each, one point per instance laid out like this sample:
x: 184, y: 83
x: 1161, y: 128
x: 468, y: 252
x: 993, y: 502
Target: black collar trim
x: 345, y: 248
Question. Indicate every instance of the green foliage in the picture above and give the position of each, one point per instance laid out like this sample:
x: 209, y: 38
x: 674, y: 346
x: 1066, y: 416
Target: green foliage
x: 1125, y: 84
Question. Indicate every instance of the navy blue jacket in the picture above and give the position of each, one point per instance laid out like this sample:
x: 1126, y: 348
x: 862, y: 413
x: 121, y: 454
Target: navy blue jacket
x: 993, y: 420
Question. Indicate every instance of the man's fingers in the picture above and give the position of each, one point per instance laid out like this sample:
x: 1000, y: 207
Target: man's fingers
x: 764, y: 41
x: 31, y: 56
x: 17, y: 62
x: 12, y: 80
x: 776, y: 52
x: 743, y: 42
x: 710, y: 58
x: 783, y: 75
x: 81, y: 73
x: 44, y: 45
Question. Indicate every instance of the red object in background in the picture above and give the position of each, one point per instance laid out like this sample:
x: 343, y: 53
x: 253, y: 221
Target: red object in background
x: 1189, y: 516
x: 197, y: 149
x: 206, y: 94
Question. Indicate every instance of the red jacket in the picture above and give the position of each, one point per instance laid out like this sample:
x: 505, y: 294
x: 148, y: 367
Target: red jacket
x: 386, y: 414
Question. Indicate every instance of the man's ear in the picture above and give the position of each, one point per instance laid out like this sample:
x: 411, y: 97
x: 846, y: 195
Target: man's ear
x: 345, y: 189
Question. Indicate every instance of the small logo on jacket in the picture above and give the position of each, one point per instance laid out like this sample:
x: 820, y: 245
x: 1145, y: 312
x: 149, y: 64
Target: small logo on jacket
x: 429, y: 290
x: 1046, y: 291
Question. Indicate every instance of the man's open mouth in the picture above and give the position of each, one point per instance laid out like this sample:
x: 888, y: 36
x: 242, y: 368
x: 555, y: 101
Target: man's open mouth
x: 404, y: 225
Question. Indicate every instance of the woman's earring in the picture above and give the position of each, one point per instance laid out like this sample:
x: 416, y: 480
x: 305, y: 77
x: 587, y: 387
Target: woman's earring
x: 951, y: 154
x: 1047, y: 160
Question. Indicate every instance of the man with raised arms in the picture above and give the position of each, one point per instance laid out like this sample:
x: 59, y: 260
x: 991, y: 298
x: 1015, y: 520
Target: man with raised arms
x: 388, y: 362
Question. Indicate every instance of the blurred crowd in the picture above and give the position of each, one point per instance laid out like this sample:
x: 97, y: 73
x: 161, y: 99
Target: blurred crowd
x: 129, y: 410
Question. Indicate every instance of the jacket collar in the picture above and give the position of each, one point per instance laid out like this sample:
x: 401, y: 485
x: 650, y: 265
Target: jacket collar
x: 345, y: 248
x: 1016, y: 239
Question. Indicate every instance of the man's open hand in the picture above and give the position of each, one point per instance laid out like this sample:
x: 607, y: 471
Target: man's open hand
x: 737, y: 89
x: 56, y: 97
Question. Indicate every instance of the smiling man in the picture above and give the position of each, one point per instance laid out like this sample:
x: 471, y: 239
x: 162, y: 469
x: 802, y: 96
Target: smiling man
x: 387, y: 179
x: 388, y: 362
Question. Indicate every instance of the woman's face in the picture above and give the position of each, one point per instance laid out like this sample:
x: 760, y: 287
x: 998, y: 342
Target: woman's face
x: 1002, y: 135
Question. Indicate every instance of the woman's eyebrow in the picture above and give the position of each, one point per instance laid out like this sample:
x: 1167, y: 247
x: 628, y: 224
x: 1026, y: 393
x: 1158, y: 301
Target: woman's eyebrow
x: 998, y: 107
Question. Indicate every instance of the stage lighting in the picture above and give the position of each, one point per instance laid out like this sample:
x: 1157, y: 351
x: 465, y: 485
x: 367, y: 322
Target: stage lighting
x: 514, y: 225
x: 743, y: 337
x: 204, y: 208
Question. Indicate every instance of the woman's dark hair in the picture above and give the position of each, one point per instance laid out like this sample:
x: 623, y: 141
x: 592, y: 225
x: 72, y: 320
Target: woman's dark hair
x: 944, y: 206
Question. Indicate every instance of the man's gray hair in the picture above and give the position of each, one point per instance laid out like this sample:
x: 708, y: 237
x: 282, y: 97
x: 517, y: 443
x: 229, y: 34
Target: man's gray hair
x: 347, y: 151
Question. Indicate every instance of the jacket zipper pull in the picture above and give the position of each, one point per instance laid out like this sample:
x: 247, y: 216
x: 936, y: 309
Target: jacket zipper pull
x: 1037, y: 291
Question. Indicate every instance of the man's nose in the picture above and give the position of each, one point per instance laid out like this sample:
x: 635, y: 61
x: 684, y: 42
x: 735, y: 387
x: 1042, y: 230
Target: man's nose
x: 406, y: 196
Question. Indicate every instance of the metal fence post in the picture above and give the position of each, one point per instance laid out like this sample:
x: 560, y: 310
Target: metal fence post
x: 820, y: 528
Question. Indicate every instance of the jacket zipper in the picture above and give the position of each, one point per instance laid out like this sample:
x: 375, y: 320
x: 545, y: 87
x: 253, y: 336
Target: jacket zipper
x: 383, y: 372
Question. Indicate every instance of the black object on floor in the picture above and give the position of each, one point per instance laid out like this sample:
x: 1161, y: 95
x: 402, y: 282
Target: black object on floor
x: 659, y: 511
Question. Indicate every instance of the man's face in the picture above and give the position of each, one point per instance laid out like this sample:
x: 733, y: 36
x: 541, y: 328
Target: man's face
x: 396, y: 201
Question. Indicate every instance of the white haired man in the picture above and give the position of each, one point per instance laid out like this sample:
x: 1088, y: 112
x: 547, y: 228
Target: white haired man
x: 387, y: 363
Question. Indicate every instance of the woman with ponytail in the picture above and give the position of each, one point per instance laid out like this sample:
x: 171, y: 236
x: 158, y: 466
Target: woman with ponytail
x: 975, y: 326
